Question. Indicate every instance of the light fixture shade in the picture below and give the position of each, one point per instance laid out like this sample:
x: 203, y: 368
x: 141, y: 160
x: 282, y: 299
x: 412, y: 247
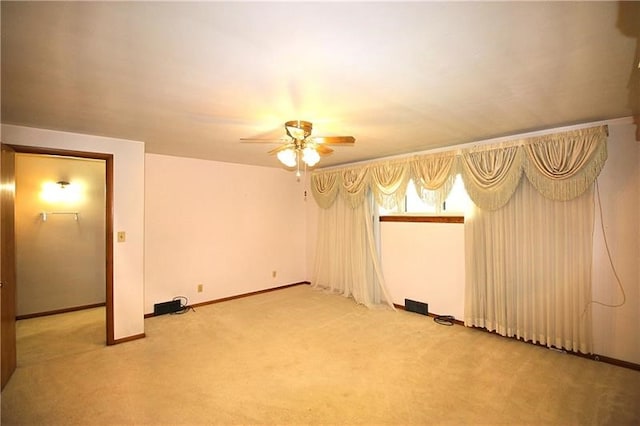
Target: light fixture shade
x: 61, y: 192
x: 287, y: 157
x: 310, y: 156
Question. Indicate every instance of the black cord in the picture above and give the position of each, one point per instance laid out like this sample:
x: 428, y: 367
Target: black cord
x: 444, y: 319
x: 184, y: 307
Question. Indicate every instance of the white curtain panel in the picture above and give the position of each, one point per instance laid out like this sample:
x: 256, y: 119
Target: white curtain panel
x: 346, y: 256
x: 529, y: 269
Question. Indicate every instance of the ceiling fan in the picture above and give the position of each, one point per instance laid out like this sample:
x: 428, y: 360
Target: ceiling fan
x: 298, y: 144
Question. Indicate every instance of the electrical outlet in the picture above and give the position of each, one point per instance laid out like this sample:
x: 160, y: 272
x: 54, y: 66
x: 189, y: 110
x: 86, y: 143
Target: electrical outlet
x: 122, y: 236
x: 273, y: 274
x: 200, y: 288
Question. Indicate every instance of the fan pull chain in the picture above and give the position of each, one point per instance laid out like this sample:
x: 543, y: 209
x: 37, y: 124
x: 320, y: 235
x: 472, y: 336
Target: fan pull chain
x: 306, y: 181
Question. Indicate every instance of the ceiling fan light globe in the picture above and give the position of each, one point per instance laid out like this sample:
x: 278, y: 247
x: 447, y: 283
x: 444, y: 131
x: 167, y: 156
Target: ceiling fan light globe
x: 287, y: 157
x: 310, y: 156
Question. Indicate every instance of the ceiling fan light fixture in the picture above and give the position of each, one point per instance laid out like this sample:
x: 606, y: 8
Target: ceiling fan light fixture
x: 298, y: 147
x: 310, y: 156
x: 287, y: 157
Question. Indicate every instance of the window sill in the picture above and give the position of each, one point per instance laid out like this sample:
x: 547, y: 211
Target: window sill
x: 423, y: 219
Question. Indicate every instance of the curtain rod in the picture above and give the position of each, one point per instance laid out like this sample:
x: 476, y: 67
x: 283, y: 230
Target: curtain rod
x: 510, y: 138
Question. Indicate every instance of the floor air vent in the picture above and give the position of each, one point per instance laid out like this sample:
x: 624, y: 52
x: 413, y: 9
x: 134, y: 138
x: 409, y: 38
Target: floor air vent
x: 166, y: 307
x: 417, y: 307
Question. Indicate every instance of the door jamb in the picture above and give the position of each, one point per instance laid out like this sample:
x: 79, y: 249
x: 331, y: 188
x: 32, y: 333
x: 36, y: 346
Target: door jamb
x: 110, y: 334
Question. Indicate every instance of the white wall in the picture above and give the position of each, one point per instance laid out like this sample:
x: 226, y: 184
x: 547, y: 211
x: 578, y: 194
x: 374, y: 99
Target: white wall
x: 128, y: 213
x: 312, y: 211
x: 425, y: 262
x: 616, y: 331
x: 226, y: 226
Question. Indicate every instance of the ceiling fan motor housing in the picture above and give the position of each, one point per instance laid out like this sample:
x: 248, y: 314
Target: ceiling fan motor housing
x: 305, y: 126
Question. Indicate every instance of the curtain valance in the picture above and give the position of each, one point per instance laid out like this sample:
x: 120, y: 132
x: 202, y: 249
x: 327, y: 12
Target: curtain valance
x: 390, y: 181
x: 560, y: 166
x: 433, y: 176
x: 325, y: 188
x: 491, y: 176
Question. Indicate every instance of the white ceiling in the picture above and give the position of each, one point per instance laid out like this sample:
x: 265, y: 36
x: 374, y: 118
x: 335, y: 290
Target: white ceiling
x: 191, y: 79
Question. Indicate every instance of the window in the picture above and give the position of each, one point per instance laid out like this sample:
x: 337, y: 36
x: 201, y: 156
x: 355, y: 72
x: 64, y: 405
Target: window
x: 456, y: 203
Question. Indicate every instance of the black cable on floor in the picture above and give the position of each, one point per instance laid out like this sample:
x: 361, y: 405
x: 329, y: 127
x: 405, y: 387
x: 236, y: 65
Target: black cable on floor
x: 444, y: 319
x: 184, y: 307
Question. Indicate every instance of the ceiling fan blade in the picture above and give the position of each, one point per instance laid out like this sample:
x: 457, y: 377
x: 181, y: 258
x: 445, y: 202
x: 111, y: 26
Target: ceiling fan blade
x: 253, y: 140
x: 281, y: 148
x: 323, y: 150
x: 330, y: 140
x: 270, y: 136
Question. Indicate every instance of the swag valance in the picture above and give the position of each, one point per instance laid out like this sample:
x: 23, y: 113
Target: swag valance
x: 560, y: 166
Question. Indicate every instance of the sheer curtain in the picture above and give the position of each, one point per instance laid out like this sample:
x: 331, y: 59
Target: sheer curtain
x: 529, y: 269
x: 347, y: 260
x: 529, y: 243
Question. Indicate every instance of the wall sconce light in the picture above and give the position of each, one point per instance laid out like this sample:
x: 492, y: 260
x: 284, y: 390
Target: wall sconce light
x: 61, y: 191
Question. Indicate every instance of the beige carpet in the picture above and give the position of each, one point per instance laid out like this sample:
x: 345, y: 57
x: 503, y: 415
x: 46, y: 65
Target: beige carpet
x: 299, y: 356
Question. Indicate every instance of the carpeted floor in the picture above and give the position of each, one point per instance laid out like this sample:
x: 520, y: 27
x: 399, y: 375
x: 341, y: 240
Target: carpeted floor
x: 300, y: 356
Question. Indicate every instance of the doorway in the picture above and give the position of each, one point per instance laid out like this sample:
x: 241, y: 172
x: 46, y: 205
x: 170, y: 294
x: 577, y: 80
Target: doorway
x: 59, y: 233
x: 108, y: 240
